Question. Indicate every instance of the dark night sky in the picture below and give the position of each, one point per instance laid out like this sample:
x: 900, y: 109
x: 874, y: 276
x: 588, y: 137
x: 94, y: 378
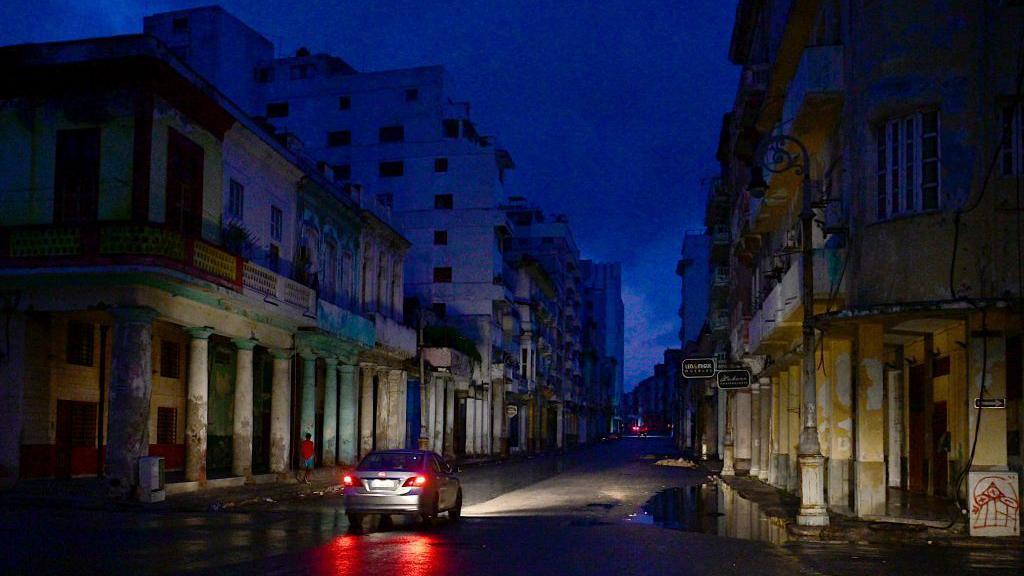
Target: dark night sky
x: 610, y: 109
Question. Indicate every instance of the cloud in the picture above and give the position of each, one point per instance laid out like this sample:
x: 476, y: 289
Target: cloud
x: 647, y: 333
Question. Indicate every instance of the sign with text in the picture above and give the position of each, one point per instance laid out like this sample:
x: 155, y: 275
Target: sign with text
x: 990, y: 402
x: 698, y: 368
x: 733, y: 379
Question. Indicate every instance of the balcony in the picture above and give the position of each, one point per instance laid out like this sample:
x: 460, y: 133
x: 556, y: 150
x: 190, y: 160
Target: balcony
x: 345, y: 324
x: 814, y: 97
x: 779, y: 318
x: 269, y: 284
x: 397, y: 339
x: 720, y: 322
x: 113, y: 244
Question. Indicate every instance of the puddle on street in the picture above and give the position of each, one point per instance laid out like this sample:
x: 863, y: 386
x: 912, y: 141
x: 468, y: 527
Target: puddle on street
x: 712, y: 508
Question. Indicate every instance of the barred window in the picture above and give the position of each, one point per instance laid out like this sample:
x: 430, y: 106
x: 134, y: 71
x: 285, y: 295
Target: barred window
x: 166, y: 425
x: 170, y: 359
x: 79, y: 345
x: 83, y: 424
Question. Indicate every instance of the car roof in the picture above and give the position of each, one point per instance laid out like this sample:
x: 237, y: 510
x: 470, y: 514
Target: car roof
x: 402, y: 451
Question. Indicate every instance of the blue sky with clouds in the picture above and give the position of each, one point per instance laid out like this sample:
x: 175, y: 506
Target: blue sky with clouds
x: 610, y: 109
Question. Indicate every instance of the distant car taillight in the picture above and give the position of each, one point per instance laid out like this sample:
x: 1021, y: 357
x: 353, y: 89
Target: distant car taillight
x: 415, y: 481
x: 348, y: 481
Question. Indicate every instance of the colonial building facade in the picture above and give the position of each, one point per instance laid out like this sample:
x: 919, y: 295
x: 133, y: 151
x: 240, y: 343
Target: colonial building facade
x: 178, y: 281
x: 913, y: 159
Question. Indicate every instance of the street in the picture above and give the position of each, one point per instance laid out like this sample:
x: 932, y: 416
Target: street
x: 569, y: 514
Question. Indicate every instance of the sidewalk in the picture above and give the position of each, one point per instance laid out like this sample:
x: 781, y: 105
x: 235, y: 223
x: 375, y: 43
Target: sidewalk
x: 781, y: 507
x: 92, y: 494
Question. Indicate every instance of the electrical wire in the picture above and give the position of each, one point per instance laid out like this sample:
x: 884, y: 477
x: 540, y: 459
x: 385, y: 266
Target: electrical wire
x: 977, y: 419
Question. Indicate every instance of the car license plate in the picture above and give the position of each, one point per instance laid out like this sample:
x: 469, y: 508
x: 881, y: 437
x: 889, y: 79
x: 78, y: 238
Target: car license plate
x: 382, y: 483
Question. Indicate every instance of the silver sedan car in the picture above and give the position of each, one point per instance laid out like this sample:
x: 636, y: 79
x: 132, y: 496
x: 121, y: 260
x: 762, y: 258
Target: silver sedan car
x: 408, y: 482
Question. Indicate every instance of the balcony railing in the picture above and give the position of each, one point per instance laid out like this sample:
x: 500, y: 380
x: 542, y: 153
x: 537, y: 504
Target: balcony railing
x: 121, y: 243
x: 278, y: 287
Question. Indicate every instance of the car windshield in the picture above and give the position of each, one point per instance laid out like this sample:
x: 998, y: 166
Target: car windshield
x: 392, y: 461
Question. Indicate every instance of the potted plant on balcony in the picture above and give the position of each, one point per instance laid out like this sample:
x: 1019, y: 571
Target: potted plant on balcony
x: 237, y: 239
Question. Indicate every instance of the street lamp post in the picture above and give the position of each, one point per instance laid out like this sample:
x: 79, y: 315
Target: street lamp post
x: 776, y: 156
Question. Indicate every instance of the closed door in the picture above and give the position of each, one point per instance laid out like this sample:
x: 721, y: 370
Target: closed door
x: 939, y: 449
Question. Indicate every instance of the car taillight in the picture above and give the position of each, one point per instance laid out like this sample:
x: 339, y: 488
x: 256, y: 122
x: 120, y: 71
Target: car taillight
x: 348, y: 481
x: 415, y: 481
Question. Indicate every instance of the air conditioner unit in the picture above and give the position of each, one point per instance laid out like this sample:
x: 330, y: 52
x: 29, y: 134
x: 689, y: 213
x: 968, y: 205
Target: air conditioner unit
x: 151, y: 479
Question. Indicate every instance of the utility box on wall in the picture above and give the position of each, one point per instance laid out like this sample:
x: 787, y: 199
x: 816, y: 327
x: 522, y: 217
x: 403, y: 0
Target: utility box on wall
x: 993, y: 501
x: 151, y: 479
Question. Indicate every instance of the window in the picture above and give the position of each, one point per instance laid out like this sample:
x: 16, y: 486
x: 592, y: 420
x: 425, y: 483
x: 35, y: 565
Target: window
x: 412, y: 95
x: 274, y: 257
x: 166, y: 425
x: 443, y: 201
x: 440, y: 309
x: 440, y: 164
x: 236, y: 199
x: 342, y: 172
x: 77, y: 176
x: 339, y: 138
x: 344, y: 102
x: 170, y: 359
x: 391, y: 169
x: 184, y: 184
x: 440, y: 237
x: 302, y: 71
x: 329, y: 281
x: 443, y: 274
x: 277, y: 110
x: 264, y: 75
x: 908, y: 164
x: 1011, y: 158
x: 450, y: 128
x: 180, y: 24
x: 392, y: 133
x: 276, y: 223
x: 79, y: 345
x: 547, y: 240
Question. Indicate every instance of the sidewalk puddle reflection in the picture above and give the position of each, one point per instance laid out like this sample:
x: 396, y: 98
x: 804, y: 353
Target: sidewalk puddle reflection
x: 712, y: 508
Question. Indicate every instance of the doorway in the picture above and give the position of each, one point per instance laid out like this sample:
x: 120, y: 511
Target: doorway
x: 917, y: 472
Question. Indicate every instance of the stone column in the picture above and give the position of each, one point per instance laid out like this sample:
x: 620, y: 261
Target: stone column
x: 741, y: 430
x: 471, y: 424
x: 560, y: 425
x: 198, y: 396
x: 12, y: 394
x: 728, y: 458
x: 765, y: 430
x: 449, y: 419
x: 330, y: 440
x: 793, y: 419
x: 307, y: 415
x: 841, y: 451
x: 280, y: 411
x: 366, y: 415
x: 347, y: 420
x: 755, y: 429
x: 438, y: 384
x: 782, y: 431
x: 241, y: 432
x: 869, y: 470
x: 131, y: 388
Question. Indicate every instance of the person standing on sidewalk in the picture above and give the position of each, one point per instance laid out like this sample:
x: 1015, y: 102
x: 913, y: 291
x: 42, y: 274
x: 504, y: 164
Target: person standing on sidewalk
x: 308, y: 450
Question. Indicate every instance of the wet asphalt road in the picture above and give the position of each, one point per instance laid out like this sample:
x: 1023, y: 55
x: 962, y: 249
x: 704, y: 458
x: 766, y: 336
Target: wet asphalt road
x: 573, y: 514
